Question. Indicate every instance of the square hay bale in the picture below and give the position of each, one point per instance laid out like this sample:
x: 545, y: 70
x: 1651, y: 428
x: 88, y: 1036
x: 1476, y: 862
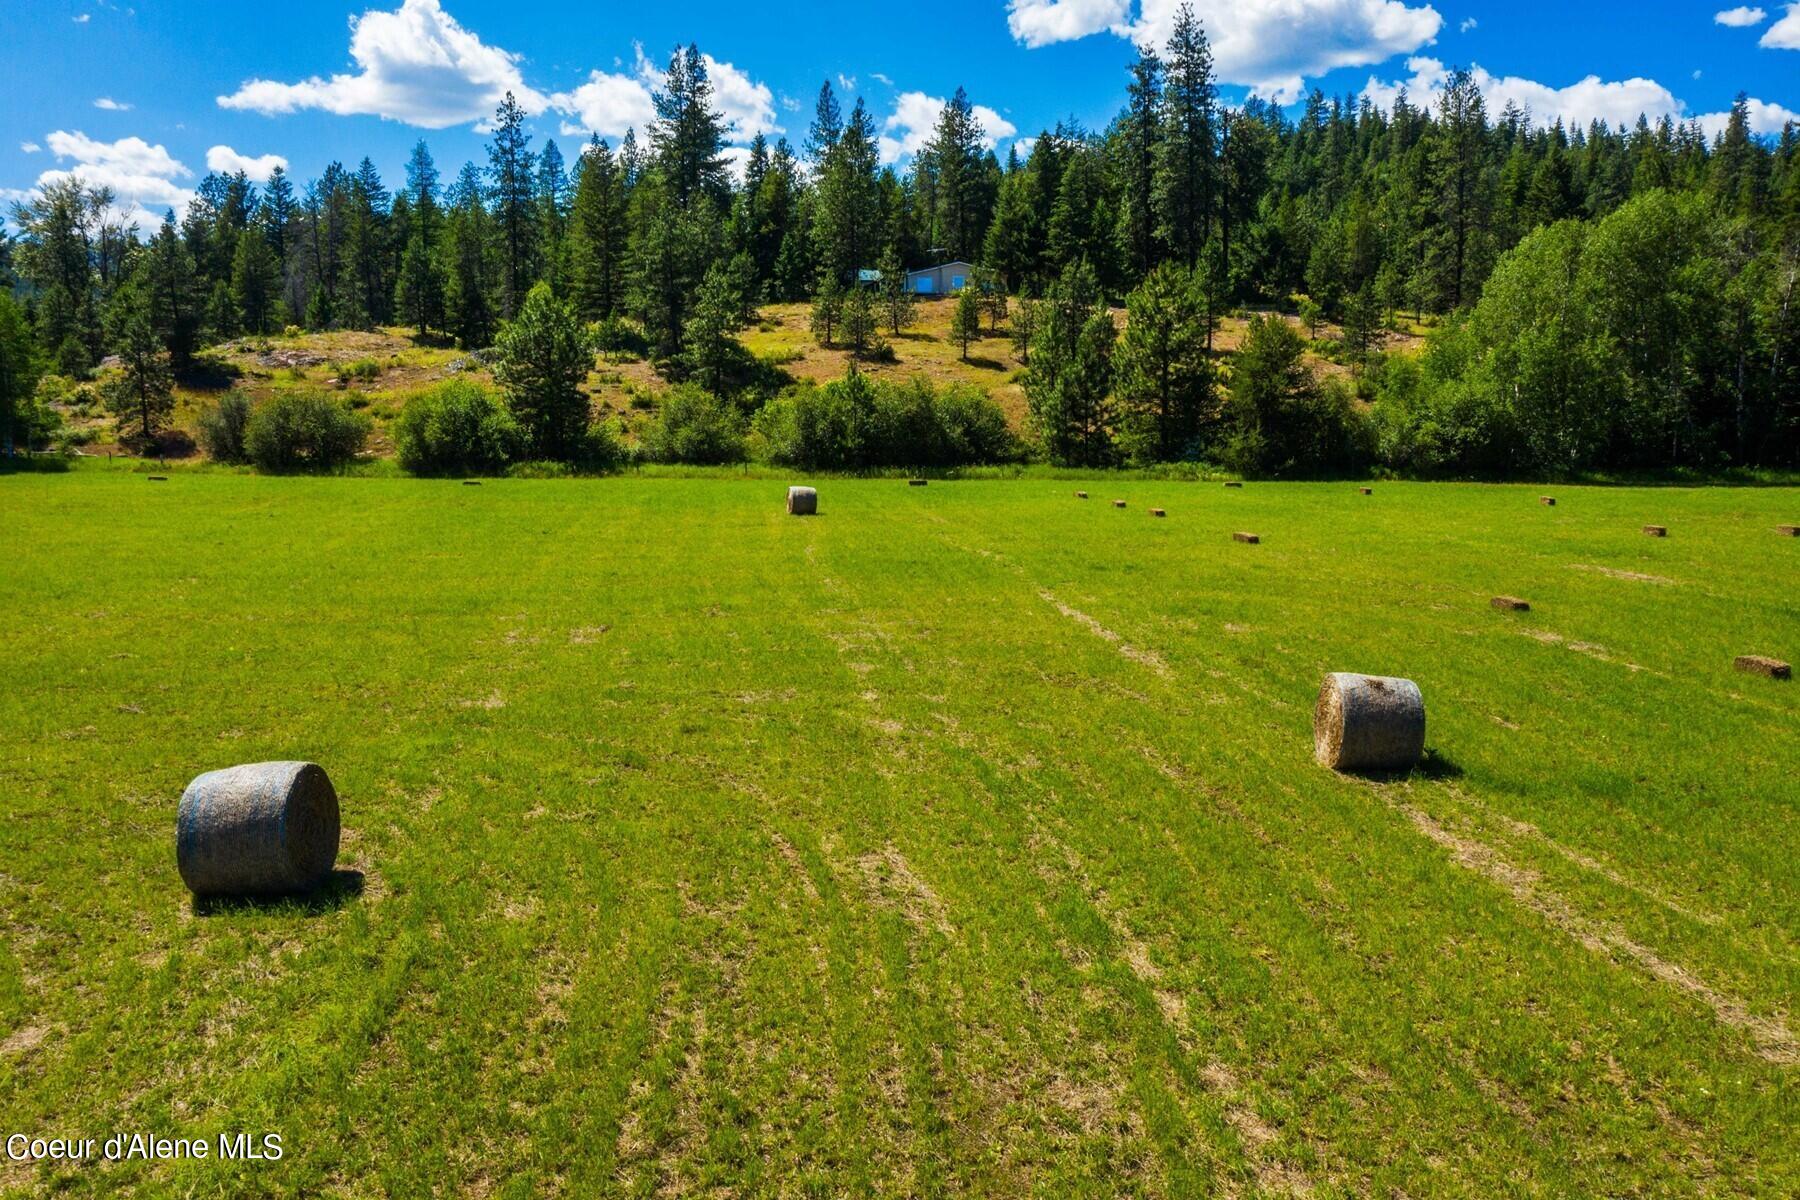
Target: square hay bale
x: 1250, y: 539
x: 803, y: 502
x: 471, y: 483
x: 916, y: 482
x: 1788, y: 530
x: 1157, y: 512
x: 1510, y: 604
x: 1757, y: 664
x: 159, y: 479
x: 1118, y: 504
x: 1656, y: 531
x: 1366, y: 491
x: 1081, y: 495
x: 1549, y: 501
x: 1233, y: 483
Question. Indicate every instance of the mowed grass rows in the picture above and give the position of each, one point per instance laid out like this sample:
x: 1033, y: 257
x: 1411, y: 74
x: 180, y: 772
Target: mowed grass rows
x: 961, y: 840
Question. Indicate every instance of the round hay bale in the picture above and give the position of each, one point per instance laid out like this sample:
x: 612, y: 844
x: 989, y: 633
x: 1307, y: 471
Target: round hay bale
x: 1369, y: 723
x: 257, y: 830
x: 1656, y: 531
x: 803, y: 502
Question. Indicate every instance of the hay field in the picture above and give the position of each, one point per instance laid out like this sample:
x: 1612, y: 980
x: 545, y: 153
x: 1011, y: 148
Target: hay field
x: 963, y: 840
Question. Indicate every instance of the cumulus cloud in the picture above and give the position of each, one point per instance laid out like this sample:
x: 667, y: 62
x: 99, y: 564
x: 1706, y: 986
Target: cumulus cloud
x: 1785, y: 33
x: 609, y: 104
x: 1044, y: 22
x: 227, y: 161
x: 143, y: 177
x: 1269, y: 45
x: 606, y: 104
x: 915, y: 115
x: 1579, y: 104
x: 416, y: 65
x: 110, y: 105
x: 1741, y: 17
x: 1766, y: 119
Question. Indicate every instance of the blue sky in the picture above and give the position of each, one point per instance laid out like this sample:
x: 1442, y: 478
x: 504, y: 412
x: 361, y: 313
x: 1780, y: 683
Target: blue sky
x: 147, y: 96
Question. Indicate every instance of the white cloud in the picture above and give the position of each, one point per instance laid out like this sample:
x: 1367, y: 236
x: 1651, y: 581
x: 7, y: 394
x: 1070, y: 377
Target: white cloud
x: 915, y: 115
x: 607, y: 105
x: 417, y: 65
x: 1469, y: 24
x: 29, y: 147
x: 1269, y: 45
x: 847, y: 82
x: 227, y: 161
x: 1785, y: 33
x: 142, y: 177
x: 1741, y: 17
x: 1765, y: 119
x: 1044, y: 22
x: 748, y: 106
x: 110, y: 105
x: 82, y: 18
x: 1578, y: 105
x: 878, y: 77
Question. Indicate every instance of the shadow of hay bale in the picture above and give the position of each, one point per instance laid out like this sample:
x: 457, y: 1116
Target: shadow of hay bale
x: 332, y: 893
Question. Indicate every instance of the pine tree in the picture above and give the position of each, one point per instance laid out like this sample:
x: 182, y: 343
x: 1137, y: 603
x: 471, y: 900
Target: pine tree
x: 827, y: 126
x: 952, y: 161
x: 541, y: 359
x: 845, y: 205
x: 598, y: 234
x: 1138, y: 150
x: 827, y: 309
x: 511, y: 175
x: 689, y: 133
x: 860, y: 325
x: 708, y: 338
x: 1185, y: 167
x: 469, y: 275
x: 896, y: 301
x: 553, y: 197
x: 1165, y: 375
x: 144, y: 389
x: 171, y: 289
x: 1069, y: 381
x: 965, y: 322
x: 255, y: 282
x: 1459, y: 166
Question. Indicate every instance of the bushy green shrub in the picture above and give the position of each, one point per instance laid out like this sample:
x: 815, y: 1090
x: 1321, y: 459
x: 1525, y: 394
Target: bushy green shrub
x: 223, y: 427
x: 304, y: 431
x: 696, y: 426
x: 457, y: 428
x: 857, y: 422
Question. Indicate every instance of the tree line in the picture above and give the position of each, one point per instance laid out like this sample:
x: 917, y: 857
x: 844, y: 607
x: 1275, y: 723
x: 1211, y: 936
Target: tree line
x: 1184, y: 208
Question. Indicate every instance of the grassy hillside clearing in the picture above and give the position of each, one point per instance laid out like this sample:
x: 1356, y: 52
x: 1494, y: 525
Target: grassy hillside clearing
x: 961, y: 840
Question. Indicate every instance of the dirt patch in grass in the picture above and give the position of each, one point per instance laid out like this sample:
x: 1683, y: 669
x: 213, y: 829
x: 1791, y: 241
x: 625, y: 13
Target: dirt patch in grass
x: 1615, y: 573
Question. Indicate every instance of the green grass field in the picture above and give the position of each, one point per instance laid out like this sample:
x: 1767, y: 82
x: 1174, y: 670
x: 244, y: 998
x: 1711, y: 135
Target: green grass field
x: 960, y: 841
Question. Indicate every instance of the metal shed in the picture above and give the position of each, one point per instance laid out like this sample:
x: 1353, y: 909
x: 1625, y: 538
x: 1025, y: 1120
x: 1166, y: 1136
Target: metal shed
x: 941, y: 280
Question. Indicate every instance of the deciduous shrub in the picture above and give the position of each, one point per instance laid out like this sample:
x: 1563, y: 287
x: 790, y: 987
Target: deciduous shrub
x: 696, y: 426
x: 304, y: 431
x: 223, y: 427
x: 457, y: 428
x: 857, y: 422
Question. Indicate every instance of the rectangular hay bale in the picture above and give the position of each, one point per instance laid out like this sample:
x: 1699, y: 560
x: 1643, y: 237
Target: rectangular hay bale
x: 1247, y: 538
x: 1757, y: 664
x: 1788, y: 530
x: 1656, y: 531
x: 1118, y: 504
x: 1510, y: 604
x: 1157, y: 512
x: 1547, y: 500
